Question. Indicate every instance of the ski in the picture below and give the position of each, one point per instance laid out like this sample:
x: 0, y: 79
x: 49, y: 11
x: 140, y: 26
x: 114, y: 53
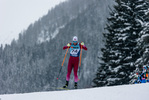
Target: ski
x: 61, y: 88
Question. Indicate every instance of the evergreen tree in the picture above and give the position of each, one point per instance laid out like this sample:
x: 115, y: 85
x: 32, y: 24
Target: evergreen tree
x: 143, y: 43
x: 120, y: 52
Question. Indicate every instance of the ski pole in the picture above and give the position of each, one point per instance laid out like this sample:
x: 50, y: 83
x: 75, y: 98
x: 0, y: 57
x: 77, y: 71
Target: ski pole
x: 80, y: 57
x: 80, y: 61
x: 62, y: 63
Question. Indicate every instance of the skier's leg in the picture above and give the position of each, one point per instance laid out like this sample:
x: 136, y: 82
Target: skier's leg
x: 76, y: 69
x: 69, y: 69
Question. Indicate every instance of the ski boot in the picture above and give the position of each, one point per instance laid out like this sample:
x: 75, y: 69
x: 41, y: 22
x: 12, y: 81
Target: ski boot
x: 66, y: 85
x: 75, y: 86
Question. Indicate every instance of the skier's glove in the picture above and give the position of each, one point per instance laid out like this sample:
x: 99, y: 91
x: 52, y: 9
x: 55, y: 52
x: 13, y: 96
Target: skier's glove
x: 68, y: 45
x: 82, y: 43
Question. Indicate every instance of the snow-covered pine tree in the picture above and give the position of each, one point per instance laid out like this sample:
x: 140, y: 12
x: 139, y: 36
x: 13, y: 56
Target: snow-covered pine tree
x: 120, y: 52
x: 144, y: 46
x: 143, y: 36
x: 142, y: 10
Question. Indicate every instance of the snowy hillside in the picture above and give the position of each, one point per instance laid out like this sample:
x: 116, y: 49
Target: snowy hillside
x: 33, y: 61
x: 126, y: 92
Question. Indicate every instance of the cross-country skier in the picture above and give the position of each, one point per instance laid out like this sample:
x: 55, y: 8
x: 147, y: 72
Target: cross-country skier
x: 137, y: 78
x: 73, y: 63
x: 144, y: 75
x: 147, y: 74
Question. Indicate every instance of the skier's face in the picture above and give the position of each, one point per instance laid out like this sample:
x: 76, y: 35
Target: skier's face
x: 75, y: 42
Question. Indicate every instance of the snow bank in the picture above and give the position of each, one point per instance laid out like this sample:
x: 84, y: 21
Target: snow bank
x: 125, y: 92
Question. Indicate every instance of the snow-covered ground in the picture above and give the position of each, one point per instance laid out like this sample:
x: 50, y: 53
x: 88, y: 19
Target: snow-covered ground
x: 125, y: 92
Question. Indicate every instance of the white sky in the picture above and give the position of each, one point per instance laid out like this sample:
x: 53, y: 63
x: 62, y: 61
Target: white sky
x: 17, y: 15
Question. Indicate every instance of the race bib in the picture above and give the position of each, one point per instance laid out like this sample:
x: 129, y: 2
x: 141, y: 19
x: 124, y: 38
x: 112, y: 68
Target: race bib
x: 75, y: 50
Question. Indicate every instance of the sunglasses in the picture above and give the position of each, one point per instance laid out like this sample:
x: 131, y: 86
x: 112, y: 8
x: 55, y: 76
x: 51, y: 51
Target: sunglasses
x: 75, y: 41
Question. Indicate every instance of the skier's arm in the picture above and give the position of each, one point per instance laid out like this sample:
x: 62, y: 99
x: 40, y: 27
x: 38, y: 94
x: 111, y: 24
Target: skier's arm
x: 65, y: 47
x: 83, y: 46
x: 68, y: 46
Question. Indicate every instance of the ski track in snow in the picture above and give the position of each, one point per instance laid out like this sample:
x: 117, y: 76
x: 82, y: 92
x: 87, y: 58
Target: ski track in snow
x: 125, y: 92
